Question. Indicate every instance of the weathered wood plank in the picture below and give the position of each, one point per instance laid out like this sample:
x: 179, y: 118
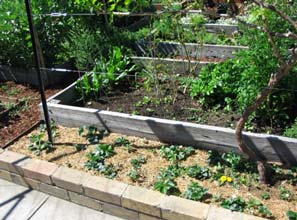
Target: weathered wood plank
x: 175, y: 66
x: 270, y: 147
x: 147, y: 48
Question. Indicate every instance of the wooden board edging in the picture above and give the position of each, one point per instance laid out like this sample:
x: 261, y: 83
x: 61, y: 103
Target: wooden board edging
x: 271, y: 147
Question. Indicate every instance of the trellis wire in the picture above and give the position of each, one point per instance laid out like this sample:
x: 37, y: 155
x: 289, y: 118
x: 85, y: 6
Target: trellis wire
x: 130, y: 75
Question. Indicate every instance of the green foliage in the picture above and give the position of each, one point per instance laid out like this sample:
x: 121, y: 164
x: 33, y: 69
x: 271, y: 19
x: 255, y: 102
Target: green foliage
x: 176, y: 153
x: 234, y: 84
x: 195, y: 192
x: 15, y: 31
x: 285, y: 194
x: 137, y: 162
x: 291, y: 215
x: 292, y: 131
x: 106, y: 73
x: 54, y: 128
x: 38, y: 144
x: 167, y: 186
x: 234, y: 204
x: 92, y: 135
x: 256, y: 207
x: 171, y: 172
x: 96, y: 160
x: 199, y: 172
x: 121, y: 141
x: 134, y: 175
x: 265, y: 195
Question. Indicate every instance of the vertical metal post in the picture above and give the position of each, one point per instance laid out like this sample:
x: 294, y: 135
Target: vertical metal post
x: 34, y: 39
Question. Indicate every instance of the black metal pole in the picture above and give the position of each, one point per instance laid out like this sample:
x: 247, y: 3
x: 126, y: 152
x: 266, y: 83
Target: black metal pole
x: 34, y: 39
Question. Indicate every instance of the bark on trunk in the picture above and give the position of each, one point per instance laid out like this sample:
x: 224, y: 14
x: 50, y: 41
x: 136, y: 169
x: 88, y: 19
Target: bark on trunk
x: 284, y: 69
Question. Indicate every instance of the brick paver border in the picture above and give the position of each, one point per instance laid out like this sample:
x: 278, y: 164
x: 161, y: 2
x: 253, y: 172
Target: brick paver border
x: 109, y: 196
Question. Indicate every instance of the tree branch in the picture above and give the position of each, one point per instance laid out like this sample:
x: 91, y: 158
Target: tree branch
x: 275, y: 48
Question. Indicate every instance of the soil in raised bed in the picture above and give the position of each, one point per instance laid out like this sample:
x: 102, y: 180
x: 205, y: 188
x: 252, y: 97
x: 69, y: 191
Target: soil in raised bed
x: 65, y: 154
x: 167, y: 100
x: 26, y: 115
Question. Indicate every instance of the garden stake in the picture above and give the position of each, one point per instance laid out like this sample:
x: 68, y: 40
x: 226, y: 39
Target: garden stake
x: 37, y: 54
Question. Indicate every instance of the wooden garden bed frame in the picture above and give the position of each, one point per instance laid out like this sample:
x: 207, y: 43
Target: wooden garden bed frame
x: 271, y: 147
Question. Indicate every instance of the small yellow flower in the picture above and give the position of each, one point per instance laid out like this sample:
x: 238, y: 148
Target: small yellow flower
x: 229, y: 179
x: 223, y: 179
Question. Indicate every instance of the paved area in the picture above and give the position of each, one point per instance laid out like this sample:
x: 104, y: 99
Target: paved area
x: 21, y: 203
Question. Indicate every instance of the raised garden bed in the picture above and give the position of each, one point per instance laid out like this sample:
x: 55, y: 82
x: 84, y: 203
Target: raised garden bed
x: 29, y: 76
x: 273, y: 148
x: 150, y: 161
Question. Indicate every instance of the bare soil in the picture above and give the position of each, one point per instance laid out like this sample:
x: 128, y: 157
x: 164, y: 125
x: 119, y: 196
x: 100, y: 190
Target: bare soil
x: 65, y: 154
x: 25, y: 115
x: 166, y: 100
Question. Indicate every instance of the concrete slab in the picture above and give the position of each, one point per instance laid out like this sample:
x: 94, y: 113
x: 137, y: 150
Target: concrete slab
x: 17, y: 202
x: 58, y: 209
x: 6, y: 183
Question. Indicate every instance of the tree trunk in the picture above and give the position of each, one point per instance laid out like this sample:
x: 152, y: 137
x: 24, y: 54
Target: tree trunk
x: 284, y: 69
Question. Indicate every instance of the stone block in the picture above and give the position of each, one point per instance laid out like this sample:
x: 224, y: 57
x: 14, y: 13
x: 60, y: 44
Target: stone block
x: 104, y: 189
x: 85, y: 201
x: 119, y: 211
x: 5, y: 175
x: 12, y: 161
x: 173, y: 208
x: 55, y: 191
x: 40, y: 170
x: 142, y: 200
x: 69, y: 179
x: 147, y: 217
x: 216, y: 213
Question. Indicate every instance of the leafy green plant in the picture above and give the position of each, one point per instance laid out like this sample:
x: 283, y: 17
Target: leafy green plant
x: 195, y: 192
x: 176, y: 153
x: 92, y: 134
x: 38, y: 144
x: 285, y: 194
x: 199, y: 172
x: 96, y: 158
x: 121, y: 141
x: 134, y: 175
x: 171, y: 172
x: 54, y: 128
x: 265, y: 195
x: 137, y: 162
x: 167, y: 186
x: 292, y: 131
x: 258, y: 208
x: 106, y: 73
x: 234, y: 204
x: 291, y: 215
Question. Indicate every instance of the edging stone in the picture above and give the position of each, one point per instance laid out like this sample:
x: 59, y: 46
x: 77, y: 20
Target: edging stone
x: 39, y: 170
x: 104, y: 189
x: 69, y: 179
x: 120, y: 211
x: 85, y: 201
x: 11, y: 161
x: 142, y: 200
x: 173, y: 208
x: 110, y: 196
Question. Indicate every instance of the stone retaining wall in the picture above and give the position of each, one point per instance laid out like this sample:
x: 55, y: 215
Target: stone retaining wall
x: 102, y: 194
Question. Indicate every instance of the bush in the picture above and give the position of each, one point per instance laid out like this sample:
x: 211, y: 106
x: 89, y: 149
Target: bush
x: 292, y: 131
x: 234, y: 84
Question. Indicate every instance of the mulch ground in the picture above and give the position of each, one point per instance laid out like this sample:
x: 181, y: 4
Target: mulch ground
x: 24, y: 117
x: 66, y: 154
